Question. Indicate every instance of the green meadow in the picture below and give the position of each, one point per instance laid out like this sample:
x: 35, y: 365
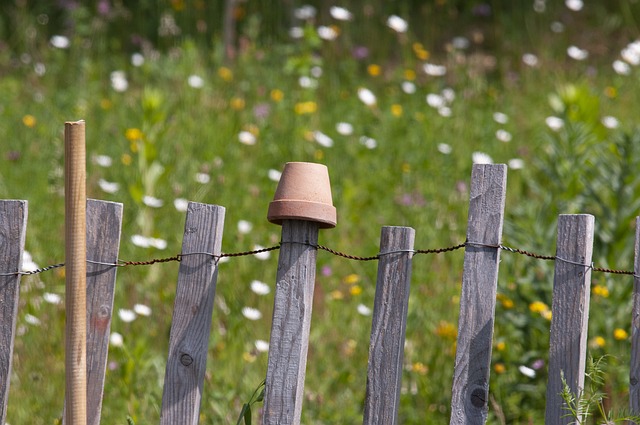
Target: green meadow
x: 398, y: 100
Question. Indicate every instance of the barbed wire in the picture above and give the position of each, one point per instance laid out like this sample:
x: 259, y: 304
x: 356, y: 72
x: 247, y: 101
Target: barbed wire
x: 216, y: 258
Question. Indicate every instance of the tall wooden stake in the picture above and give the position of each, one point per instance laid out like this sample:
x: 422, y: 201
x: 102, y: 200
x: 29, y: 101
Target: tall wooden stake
x: 76, y: 269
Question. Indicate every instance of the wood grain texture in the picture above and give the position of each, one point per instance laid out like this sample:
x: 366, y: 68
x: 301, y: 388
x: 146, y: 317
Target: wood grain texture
x: 634, y: 364
x: 477, y: 302
x: 570, y: 312
x: 193, y: 307
x: 388, y: 328
x: 104, y: 223
x: 291, y: 322
x: 75, y: 194
x: 13, y: 228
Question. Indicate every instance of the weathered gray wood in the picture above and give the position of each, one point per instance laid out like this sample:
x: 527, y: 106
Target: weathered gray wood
x: 104, y: 223
x: 570, y: 312
x: 291, y: 323
x: 478, y: 299
x: 13, y: 228
x: 386, y: 349
x: 193, y: 307
x: 634, y: 370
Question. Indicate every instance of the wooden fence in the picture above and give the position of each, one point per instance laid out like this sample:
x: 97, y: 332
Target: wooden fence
x: 195, y: 292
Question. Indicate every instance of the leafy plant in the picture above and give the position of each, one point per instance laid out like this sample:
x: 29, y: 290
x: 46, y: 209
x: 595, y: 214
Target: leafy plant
x: 256, y: 397
x: 583, y: 405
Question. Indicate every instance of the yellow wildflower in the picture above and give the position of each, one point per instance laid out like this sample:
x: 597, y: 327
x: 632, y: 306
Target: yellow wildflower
x: 601, y: 290
x: 501, y: 346
x: 277, y: 95
x: 133, y: 146
x: 355, y: 290
x: 446, y: 330
x: 620, y: 334
x: 406, y: 167
x: 499, y: 368
x: 351, y: 279
x: 409, y: 74
x: 309, y: 107
x: 318, y: 155
x: 125, y: 159
x: 396, y: 110
x: 420, y: 51
x: 237, y: 103
x: 374, y: 70
x: 133, y: 134
x: 248, y: 357
x: 541, y: 308
x: 419, y: 368
x: 538, y: 307
x: 336, y: 295
x: 599, y: 342
x: 29, y: 121
x: 225, y: 73
x: 505, y: 301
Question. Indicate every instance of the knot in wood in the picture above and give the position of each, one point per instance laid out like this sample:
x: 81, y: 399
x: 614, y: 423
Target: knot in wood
x: 633, y: 381
x: 186, y: 360
x: 478, y: 398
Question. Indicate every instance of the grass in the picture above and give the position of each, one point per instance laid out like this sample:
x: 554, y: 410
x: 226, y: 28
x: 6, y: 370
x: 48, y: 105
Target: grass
x: 191, y: 135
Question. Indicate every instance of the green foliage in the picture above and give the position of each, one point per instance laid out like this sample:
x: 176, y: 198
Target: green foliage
x: 174, y: 134
x: 590, y: 402
x: 256, y: 397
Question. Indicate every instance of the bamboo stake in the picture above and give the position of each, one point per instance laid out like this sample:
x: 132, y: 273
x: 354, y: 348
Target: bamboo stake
x: 75, y: 267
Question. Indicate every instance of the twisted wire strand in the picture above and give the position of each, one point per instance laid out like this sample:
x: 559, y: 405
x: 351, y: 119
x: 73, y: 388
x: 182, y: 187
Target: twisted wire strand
x: 178, y: 257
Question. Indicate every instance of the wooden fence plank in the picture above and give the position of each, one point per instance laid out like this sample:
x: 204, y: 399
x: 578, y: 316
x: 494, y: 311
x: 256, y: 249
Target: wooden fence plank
x: 386, y: 350
x: 634, y: 370
x: 193, y: 307
x: 478, y: 299
x: 570, y: 312
x: 13, y: 228
x: 104, y: 223
x: 291, y: 323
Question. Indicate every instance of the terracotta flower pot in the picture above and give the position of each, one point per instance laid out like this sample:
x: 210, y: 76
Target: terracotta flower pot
x: 303, y: 193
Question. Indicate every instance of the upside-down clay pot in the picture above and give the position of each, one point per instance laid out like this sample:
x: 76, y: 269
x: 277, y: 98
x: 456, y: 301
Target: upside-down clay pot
x: 303, y: 193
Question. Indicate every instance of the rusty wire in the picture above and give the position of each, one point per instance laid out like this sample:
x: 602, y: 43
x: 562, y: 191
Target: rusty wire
x: 465, y: 244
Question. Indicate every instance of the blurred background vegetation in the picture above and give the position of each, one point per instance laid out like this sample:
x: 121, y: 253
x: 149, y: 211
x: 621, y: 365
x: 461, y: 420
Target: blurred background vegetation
x: 206, y: 101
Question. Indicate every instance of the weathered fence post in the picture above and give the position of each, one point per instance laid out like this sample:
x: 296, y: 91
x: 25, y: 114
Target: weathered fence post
x: 13, y: 228
x: 570, y: 313
x: 290, y: 328
x: 386, y: 350
x: 469, y: 403
x: 193, y: 307
x: 104, y: 223
x: 634, y: 370
x: 302, y: 204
